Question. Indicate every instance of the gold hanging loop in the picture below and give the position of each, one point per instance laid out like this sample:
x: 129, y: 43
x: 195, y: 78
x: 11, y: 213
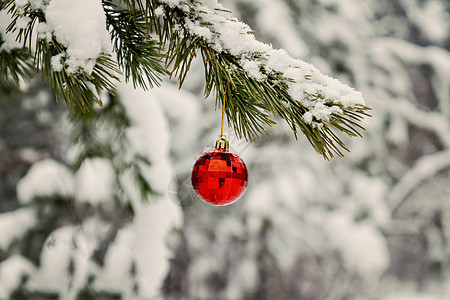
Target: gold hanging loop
x: 223, y: 110
x: 222, y: 143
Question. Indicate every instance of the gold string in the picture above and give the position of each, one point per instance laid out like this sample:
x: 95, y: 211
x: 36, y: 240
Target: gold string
x: 223, y: 111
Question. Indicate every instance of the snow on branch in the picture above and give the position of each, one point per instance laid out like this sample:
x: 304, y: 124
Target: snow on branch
x: 431, y: 121
x: 269, y: 78
x: 424, y: 169
x: 224, y: 33
x: 79, y: 26
x: 72, y: 50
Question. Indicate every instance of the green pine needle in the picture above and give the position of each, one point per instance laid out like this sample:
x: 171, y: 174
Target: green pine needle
x: 148, y: 46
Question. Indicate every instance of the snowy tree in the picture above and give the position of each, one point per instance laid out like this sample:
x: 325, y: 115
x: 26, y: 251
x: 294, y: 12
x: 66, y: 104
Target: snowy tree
x: 381, y: 58
x: 94, y: 215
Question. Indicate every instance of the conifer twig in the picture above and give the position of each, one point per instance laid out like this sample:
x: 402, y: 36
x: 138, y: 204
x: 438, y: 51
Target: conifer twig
x: 153, y: 38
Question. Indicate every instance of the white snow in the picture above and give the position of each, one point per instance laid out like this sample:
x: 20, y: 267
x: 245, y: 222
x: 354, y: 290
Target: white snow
x: 34, y: 4
x: 45, y: 178
x: 288, y: 183
x: 370, y: 195
x: 81, y: 27
x: 274, y: 19
x: 393, y: 54
x: 30, y: 155
x: 58, y: 249
x: 115, y: 275
x: 287, y: 238
x: 426, y: 167
x: 244, y: 279
x: 44, y: 31
x: 86, y: 239
x: 171, y: 3
x: 14, y: 224
x: 414, y: 296
x: 56, y: 62
x: 94, y: 181
x: 182, y: 110
x: 8, y: 38
x: 21, y: 3
x: 253, y: 68
x: 226, y: 33
x: 12, y: 270
x: 147, y: 135
x: 22, y: 22
x: 152, y: 224
x: 321, y: 112
x: 66, y: 245
x: 196, y: 29
x: 431, y: 17
x: 159, y: 11
x: 260, y: 201
x: 362, y: 246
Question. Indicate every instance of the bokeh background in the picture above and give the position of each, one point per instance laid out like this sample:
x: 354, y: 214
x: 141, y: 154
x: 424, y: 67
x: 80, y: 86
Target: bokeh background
x: 372, y: 225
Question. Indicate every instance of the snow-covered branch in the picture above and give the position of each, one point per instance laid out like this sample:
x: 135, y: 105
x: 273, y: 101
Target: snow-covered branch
x: 424, y: 169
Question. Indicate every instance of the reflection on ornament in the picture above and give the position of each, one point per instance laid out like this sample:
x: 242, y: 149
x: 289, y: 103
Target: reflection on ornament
x: 219, y: 177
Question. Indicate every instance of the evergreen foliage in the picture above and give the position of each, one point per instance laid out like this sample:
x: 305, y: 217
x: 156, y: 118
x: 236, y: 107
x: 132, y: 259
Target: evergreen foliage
x: 150, y: 44
x: 87, y: 211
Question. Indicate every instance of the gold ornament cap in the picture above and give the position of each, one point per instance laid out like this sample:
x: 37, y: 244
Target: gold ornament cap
x: 222, y: 144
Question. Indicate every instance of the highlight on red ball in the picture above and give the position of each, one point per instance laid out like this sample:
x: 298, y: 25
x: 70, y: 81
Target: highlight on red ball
x: 219, y: 177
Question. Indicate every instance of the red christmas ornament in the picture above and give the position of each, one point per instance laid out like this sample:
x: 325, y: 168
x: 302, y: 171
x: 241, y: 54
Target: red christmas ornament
x: 219, y: 177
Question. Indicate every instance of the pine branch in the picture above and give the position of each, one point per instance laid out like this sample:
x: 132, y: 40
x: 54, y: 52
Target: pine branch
x: 15, y: 64
x: 137, y: 53
x: 152, y: 36
x: 251, y: 98
x: 78, y: 89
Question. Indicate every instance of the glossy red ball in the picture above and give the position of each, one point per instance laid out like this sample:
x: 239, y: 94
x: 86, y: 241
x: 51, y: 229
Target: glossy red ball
x: 219, y: 177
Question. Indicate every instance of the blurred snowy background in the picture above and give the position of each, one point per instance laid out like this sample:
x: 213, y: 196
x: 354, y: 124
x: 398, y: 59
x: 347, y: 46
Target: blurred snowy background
x: 373, y: 225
